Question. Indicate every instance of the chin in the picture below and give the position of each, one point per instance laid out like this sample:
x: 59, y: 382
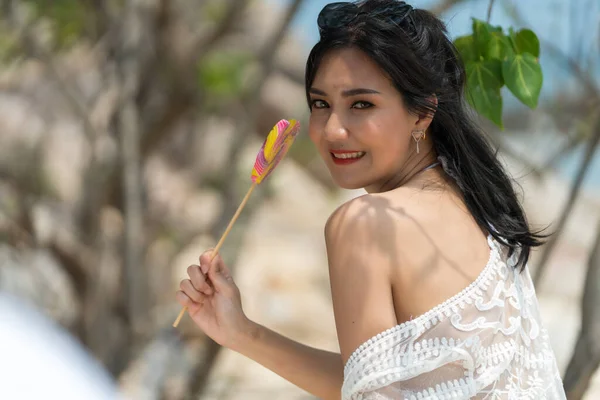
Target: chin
x: 349, y: 184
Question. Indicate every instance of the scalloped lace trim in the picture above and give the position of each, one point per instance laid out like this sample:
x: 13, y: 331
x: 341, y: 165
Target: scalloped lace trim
x: 445, y: 308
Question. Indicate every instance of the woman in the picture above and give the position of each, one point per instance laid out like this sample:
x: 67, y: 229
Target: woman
x: 431, y: 293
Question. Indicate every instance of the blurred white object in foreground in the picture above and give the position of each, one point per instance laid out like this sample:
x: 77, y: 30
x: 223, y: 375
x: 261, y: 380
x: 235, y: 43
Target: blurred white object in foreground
x: 39, y: 360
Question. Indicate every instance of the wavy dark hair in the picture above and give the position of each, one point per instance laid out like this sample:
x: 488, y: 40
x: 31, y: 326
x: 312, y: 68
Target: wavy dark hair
x: 412, y: 47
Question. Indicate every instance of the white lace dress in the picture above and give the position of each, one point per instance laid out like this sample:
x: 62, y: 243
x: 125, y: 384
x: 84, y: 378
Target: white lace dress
x: 486, y: 342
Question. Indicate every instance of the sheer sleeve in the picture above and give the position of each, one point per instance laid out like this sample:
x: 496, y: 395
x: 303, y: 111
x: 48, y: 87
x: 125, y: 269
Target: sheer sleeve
x: 487, y: 342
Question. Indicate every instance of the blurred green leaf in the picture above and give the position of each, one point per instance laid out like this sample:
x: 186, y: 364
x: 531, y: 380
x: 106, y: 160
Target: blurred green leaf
x: 512, y: 38
x: 493, y: 29
x: 486, y: 73
x: 466, y: 47
x: 523, y: 77
x: 490, y: 41
x: 69, y: 18
x: 493, y: 59
x: 221, y: 74
x: 479, y: 24
x: 9, y: 46
x: 484, y: 80
x: 527, y: 42
x: 499, y: 47
x: 215, y: 10
x: 482, y: 35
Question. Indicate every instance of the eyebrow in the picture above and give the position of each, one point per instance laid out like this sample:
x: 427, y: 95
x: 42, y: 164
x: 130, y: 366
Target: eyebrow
x: 346, y: 93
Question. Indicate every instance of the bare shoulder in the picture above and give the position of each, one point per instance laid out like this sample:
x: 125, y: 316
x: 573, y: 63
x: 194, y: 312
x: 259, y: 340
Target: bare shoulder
x: 359, y: 269
x: 373, y: 218
x: 369, y: 212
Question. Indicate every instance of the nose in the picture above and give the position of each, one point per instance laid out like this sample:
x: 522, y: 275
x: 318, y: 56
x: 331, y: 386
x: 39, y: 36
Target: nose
x: 335, y: 129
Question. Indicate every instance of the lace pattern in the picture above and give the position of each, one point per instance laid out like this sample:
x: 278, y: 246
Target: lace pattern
x: 486, y: 342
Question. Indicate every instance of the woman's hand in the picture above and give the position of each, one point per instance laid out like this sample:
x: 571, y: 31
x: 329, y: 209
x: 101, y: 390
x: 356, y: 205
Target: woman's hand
x: 213, y: 301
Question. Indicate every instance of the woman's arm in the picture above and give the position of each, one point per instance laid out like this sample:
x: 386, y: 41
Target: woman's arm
x: 214, y: 303
x: 319, y: 372
x: 360, y: 250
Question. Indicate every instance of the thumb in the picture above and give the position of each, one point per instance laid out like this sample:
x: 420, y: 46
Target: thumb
x: 220, y: 278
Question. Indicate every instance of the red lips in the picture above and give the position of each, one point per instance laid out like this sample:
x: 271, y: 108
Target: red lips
x: 345, y: 157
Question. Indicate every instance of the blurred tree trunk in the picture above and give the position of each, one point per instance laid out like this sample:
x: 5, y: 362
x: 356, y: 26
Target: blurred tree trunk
x: 586, y: 356
x: 582, y: 171
x: 130, y: 60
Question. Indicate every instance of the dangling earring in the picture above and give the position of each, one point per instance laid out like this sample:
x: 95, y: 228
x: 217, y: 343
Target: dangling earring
x: 417, y: 135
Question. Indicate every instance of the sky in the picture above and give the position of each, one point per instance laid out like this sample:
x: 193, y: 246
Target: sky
x: 571, y: 25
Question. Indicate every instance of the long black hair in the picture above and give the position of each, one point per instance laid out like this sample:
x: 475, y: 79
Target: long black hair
x: 412, y: 47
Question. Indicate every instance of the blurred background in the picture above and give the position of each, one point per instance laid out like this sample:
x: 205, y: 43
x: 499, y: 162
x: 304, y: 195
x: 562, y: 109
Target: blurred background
x: 128, y: 130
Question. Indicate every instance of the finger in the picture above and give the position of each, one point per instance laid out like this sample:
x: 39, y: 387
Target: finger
x: 207, y: 262
x: 199, y: 280
x: 183, y: 299
x: 189, y: 289
x: 221, y: 280
x: 207, y: 259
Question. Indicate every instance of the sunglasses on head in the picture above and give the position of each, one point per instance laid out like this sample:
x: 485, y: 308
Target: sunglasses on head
x: 340, y: 14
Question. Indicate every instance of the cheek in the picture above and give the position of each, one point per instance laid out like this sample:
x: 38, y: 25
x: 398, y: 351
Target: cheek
x: 390, y: 140
x: 314, y: 130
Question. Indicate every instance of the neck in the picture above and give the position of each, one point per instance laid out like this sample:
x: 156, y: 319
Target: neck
x: 413, y: 169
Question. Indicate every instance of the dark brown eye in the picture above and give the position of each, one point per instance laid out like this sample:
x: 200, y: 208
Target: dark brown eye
x: 319, y: 104
x: 362, y: 105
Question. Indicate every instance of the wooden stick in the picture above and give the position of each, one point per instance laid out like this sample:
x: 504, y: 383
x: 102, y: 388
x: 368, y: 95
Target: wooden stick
x: 220, y: 243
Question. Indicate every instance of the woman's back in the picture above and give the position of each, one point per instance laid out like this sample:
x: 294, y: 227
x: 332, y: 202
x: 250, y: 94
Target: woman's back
x: 440, y: 249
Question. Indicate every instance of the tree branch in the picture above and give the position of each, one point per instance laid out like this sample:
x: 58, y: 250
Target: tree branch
x: 444, y: 6
x: 96, y: 171
x: 573, y: 195
x: 565, y: 149
x: 501, y: 146
x: 489, y: 11
x: 585, y: 79
x: 586, y: 356
x: 234, y: 12
x: 183, y: 96
x: 36, y: 50
x: 130, y: 60
x: 293, y: 74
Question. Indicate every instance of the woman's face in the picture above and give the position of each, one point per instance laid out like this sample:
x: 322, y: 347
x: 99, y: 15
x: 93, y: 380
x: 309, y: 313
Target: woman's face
x: 358, y: 121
